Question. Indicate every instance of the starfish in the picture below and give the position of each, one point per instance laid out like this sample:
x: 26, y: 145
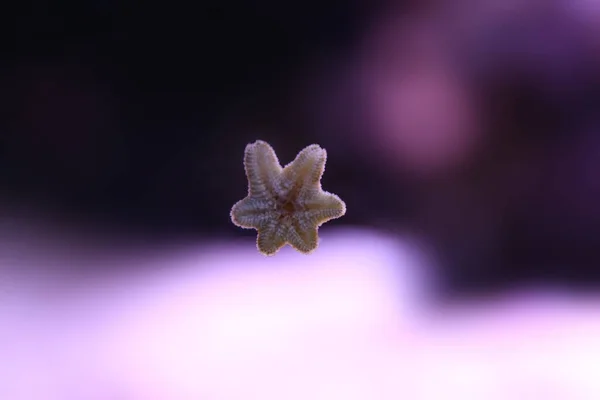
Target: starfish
x: 285, y: 205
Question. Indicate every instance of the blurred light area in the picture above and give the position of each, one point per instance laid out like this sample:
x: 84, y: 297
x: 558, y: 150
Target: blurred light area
x: 220, y: 321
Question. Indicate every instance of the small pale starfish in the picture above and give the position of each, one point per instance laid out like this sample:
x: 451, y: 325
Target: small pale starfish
x: 285, y: 205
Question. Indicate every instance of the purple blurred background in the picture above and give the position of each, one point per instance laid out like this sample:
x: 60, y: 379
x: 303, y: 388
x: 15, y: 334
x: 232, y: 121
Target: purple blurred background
x: 464, y: 137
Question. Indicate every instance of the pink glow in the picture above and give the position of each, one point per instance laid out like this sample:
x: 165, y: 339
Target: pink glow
x: 351, y: 321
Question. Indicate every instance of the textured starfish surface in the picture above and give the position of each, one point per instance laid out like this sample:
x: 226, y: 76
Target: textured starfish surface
x: 285, y: 205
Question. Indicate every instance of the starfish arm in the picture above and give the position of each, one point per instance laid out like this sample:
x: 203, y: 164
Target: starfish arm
x: 271, y: 238
x: 303, y: 235
x: 307, y: 168
x: 252, y: 212
x: 324, y: 206
x: 262, y: 169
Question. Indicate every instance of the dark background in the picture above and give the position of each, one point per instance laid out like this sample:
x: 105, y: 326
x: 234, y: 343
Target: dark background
x: 139, y: 113
x: 136, y: 115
